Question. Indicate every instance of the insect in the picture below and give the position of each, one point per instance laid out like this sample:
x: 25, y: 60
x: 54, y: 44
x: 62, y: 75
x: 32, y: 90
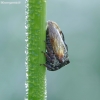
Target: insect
x: 56, y: 48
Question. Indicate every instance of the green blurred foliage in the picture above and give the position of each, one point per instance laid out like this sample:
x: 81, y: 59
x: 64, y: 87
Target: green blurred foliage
x: 80, y: 23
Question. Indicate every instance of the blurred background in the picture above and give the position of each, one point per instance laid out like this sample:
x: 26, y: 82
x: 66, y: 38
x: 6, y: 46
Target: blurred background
x: 80, y: 23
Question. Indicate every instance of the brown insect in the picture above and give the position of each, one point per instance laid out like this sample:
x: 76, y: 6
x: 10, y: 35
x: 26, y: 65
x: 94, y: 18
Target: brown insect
x: 57, y: 50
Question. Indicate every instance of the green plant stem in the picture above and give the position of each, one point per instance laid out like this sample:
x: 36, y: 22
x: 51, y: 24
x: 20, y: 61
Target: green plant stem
x: 35, y: 37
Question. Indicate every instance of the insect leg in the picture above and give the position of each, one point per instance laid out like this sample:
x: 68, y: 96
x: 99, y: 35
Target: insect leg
x: 50, y: 53
x: 49, y: 67
x: 47, y: 56
x: 61, y: 65
x: 48, y: 49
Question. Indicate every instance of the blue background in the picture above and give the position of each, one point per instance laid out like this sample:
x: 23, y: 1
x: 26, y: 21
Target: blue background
x: 80, y: 23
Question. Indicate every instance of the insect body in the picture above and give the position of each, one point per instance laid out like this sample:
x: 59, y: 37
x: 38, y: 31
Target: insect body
x: 57, y: 50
